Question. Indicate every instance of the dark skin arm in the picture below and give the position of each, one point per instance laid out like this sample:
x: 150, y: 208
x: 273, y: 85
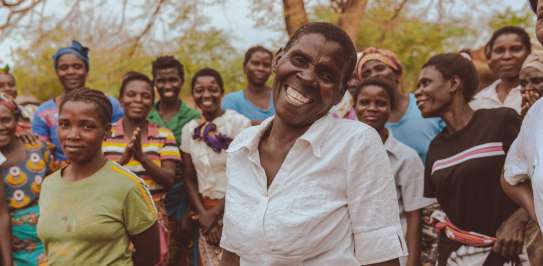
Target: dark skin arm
x: 413, y: 236
x: 147, y: 245
x: 521, y: 194
x: 510, y: 235
x: 5, y: 229
x: 164, y: 175
x: 207, y: 218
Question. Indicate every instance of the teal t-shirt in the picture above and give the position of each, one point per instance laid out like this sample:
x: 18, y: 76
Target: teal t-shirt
x: 236, y: 101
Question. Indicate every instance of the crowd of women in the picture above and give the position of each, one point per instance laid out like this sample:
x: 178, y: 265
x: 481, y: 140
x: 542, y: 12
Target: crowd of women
x: 334, y: 164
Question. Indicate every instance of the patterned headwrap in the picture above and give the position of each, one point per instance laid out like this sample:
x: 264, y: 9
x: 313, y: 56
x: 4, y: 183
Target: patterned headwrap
x: 10, y: 104
x: 4, y: 69
x: 534, y: 60
x: 76, y: 49
x: 207, y: 132
x: 382, y: 55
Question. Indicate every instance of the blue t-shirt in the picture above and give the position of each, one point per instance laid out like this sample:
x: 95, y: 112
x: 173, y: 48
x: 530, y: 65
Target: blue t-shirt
x: 415, y: 131
x: 236, y: 101
x: 45, y: 122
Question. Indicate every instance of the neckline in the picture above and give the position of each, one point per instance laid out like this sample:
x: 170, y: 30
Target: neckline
x: 84, y: 180
x: 256, y: 107
x: 464, y: 129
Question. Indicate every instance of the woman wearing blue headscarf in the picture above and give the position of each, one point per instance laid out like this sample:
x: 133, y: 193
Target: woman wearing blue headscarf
x: 72, y: 67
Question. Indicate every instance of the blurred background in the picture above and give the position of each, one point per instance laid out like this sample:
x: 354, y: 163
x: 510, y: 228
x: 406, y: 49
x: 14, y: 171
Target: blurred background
x: 127, y: 35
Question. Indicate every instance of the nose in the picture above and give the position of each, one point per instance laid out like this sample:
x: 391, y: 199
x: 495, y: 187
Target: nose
x: 206, y: 93
x: 418, y: 91
x: 372, y: 107
x: 507, y: 54
x: 308, y: 76
x: 73, y: 133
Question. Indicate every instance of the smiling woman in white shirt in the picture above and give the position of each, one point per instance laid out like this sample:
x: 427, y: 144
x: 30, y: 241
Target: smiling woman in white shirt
x: 204, y: 142
x: 305, y: 188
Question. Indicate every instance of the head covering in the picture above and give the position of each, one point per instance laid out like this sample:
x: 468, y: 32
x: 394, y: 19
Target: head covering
x: 8, y: 102
x: 76, y: 49
x: 534, y: 60
x: 4, y: 69
x: 382, y: 55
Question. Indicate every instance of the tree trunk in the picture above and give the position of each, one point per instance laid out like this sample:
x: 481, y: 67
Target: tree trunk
x: 350, y: 17
x: 295, y: 15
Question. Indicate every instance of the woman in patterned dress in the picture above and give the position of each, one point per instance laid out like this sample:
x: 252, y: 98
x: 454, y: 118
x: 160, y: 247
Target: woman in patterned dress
x: 23, y: 167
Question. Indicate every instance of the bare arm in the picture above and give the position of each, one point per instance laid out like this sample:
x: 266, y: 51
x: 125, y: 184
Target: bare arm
x: 413, y: 237
x: 164, y: 175
x: 147, y: 245
x: 521, y: 194
x: 5, y: 229
x: 394, y: 262
x: 207, y: 218
x: 229, y: 259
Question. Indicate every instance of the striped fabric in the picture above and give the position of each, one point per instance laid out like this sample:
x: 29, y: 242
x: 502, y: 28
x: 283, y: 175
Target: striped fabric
x: 159, y: 146
x: 480, y: 151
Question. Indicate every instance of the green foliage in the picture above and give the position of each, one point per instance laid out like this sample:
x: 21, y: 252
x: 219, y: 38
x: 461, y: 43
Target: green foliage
x: 509, y: 17
x: 412, y: 38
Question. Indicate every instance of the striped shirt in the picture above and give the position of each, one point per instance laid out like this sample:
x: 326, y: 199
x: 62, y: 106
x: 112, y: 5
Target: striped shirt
x: 159, y: 145
x: 463, y: 170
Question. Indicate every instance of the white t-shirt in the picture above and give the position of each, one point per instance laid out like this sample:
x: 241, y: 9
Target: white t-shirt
x: 211, y: 166
x: 332, y: 202
x: 487, y: 98
x: 525, y: 155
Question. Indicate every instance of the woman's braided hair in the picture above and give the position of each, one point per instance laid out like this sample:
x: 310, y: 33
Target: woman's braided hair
x: 98, y: 98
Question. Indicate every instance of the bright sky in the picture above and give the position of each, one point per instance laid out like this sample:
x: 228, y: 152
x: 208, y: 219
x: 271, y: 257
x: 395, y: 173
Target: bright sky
x: 234, y: 18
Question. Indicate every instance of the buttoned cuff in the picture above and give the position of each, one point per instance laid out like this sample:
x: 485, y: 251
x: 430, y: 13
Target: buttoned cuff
x: 380, y: 245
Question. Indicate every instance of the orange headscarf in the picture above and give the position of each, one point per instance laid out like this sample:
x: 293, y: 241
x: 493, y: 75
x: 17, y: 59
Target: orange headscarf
x: 383, y: 55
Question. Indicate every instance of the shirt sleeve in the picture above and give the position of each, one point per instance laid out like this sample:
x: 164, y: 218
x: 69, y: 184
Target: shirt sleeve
x: 516, y: 168
x: 169, y: 150
x: 511, y: 125
x: 117, y: 109
x: 372, y: 202
x: 411, y: 176
x: 429, y: 189
x: 228, y: 103
x: 139, y: 211
x: 186, y: 136
x: 40, y: 127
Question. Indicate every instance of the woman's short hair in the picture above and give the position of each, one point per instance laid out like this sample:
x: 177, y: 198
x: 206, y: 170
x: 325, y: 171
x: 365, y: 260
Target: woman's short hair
x: 207, y: 72
x: 253, y: 50
x: 455, y: 65
x: 384, y: 84
x: 524, y: 37
x: 133, y: 75
x: 98, y: 98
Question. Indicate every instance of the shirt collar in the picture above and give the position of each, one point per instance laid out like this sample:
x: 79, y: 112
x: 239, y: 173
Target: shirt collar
x: 118, y: 129
x: 490, y: 91
x: 314, y: 136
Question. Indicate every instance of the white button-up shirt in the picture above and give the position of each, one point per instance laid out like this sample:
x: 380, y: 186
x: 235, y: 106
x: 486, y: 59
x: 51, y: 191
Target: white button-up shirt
x: 524, y: 156
x: 488, y: 98
x: 332, y: 202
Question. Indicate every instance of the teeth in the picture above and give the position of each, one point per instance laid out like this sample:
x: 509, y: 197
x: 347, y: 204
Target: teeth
x: 295, y: 98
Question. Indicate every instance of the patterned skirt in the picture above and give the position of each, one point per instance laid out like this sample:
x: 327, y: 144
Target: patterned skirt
x: 26, y: 246
x: 210, y: 255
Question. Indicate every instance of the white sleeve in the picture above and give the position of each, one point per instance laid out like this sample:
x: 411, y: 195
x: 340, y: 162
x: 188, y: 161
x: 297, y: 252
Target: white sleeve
x: 186, y: 137
x: 372, y: 202
x: 517, y: 162
x: 411, y: 181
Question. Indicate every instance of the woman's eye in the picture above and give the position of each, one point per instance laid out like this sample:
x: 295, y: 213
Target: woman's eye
x: 298, y: 60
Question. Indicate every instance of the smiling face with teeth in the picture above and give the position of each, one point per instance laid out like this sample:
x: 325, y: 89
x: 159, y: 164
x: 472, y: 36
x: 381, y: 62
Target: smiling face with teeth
x: 309, y: 79
x: 207, y: 94
x: 433, y: 92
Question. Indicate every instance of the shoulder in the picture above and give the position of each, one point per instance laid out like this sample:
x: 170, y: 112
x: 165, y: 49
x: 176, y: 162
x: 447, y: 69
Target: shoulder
x: 401, y: 151
x: 235, y: 118
x: 51, y: 180
x: 190, y: 126
x: 487, y: 91
x: 113, y: 100
x: 123, y: 178
x: 49, y: 104
x: 233, y: 96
